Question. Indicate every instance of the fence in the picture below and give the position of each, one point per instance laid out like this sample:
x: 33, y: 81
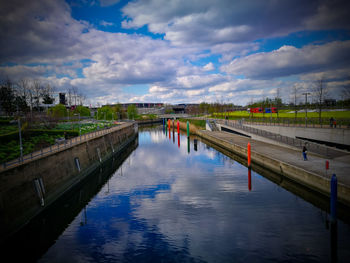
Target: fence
x: 297, y: 122
x: 312, y: 147
x: 60, y: 146
x: 301, y: 122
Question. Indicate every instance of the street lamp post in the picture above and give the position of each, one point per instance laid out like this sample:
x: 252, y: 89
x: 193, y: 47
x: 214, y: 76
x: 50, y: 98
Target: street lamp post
x: 79, y: 123
x: 79, y: 126
x: 20, y: 135
x: 20, y: 138
x: 306, y: 93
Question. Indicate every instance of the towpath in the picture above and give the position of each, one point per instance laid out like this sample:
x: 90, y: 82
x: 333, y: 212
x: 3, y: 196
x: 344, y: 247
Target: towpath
x: 315, y: 163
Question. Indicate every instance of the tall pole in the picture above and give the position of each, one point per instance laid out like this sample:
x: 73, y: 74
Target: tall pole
x: 20, y: 135
x: 270, y: 111
x: 79, y: 126
x: 306, y: 93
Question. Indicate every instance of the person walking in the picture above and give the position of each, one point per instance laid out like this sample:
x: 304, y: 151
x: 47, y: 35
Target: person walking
x: 305, y: 152
x: 334, y: 123
x: 331, y: 120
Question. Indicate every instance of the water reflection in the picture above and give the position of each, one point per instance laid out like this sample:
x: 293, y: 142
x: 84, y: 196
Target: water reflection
x: 249, y: 179
x: 177, y: 205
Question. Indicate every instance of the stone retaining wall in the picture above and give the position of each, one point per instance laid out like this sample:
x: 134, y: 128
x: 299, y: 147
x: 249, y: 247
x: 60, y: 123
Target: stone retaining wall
x: 19, y: 197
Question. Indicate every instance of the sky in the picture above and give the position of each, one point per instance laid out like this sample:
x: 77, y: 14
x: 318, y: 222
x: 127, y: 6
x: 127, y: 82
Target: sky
x: 178, y: 51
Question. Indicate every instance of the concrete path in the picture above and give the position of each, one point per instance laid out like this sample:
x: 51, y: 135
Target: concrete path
x: 316, y: 164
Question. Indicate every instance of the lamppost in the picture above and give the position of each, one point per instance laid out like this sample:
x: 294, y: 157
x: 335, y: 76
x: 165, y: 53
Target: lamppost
x: 79, y: 123
x: 306, y: 93
x: 20, y: 138
x: 79, y: 126
x: 20, y: 135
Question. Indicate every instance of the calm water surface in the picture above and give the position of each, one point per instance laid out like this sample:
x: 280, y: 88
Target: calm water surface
x: 165, y: 204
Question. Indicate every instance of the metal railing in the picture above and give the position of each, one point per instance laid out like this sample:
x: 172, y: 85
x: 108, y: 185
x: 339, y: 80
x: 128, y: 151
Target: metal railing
x: 59, y: 146
x: 300, y: 122
x: 295, y: 142
x: 312, y: 122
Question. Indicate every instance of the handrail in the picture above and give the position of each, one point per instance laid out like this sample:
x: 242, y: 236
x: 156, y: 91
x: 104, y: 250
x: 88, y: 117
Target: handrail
x: 59, y: 147
x: 312, y: 147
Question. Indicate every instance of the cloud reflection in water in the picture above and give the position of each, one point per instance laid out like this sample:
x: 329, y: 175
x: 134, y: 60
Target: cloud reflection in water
x: 167, y: 205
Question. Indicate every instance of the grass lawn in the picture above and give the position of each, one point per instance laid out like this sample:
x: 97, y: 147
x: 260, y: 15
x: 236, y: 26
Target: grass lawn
x: 10, y: 150
x: 198, y: 123
x: 4, y: 129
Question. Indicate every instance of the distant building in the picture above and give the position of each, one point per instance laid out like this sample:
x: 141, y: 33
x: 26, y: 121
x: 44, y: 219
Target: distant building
x: 330, y: 102
x: 62, y: 98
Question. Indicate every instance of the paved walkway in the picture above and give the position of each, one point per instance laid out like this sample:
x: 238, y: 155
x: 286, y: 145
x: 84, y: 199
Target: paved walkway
x: 316, y: 164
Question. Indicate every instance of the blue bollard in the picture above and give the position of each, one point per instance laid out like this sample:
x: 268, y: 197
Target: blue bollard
x: 334, y: 198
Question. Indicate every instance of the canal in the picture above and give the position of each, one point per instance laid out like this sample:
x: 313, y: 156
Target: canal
x: 165, y: 200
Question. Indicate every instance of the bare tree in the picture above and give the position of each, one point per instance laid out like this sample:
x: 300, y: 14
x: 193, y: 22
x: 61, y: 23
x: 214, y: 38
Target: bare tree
x: 47, y: 94
x: 69, y: 96
x: 75, y: 94
x: 37, y: 91
x: 320, y: 92
x: 82, y: 98
x: 23, y: 88
x: 346, y: 93
x: 278, y: 100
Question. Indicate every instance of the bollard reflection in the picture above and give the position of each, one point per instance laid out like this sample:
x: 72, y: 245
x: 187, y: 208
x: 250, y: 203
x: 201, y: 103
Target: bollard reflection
x: 178, y: 140
x: 249, y: 179
x: 188, y: 144
x: 83, y: 218
x: 334, y: 241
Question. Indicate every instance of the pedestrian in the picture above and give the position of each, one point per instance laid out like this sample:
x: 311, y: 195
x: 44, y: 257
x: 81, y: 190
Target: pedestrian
x: 305, y: 152
x: 331, y: 120
x: 335, y: 123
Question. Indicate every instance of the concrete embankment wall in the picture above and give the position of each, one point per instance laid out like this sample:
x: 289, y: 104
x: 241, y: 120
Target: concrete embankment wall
x: 146, y: 122
x: 306, y: 178
x: 19, y: 200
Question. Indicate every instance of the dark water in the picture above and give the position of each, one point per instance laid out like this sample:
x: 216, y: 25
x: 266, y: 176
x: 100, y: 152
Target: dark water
x: 165, y: 204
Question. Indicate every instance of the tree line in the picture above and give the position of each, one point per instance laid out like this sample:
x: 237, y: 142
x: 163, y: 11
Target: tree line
x: 27, y: 95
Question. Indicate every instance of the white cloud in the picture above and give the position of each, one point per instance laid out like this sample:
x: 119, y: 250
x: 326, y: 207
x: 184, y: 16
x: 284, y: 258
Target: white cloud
x: 106, y: 24
x: 41, y: 40
x: 209, y: 67
x: 228, y: 21
x: 289, y: 60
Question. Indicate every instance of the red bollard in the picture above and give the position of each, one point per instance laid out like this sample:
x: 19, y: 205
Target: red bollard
x: 178, y: 127
x: 249, y: 159
x: 327, y: 165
